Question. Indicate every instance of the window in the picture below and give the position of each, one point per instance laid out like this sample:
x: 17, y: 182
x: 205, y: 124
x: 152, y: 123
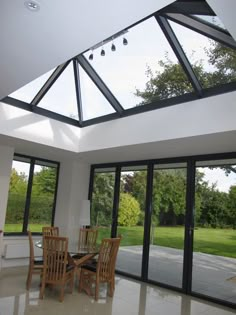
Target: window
x: 32, y: 194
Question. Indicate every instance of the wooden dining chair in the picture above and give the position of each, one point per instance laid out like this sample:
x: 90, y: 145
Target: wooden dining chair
x: 50, y: 230
x: 35, y: 264
x: 87, y: 237
x: 56, y: 271
x: 103, y: 270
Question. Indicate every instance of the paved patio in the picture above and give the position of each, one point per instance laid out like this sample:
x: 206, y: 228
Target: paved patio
x: 212, y: 275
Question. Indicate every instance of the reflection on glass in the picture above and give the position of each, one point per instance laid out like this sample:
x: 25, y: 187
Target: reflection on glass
x: 212, y: 62
x: 42, y: 197
x: 167, y: 226
x: 131, y: 220
x: 133, y: 67
x: 17, y: 197
x: 94, y: 103
x: 214, y: 20
x: 214, y: 258
x: 61, y: 97
x: 28, y: 91
x: 102, y: 202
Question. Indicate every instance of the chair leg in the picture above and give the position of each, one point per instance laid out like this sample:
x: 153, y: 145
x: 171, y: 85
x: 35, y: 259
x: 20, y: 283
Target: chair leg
x: 42, y: 290
x: 72, y: 283
x: 81, y: 279
x: 61, y: 298
x: 111, y: 288
x: 96, y: 289
x: 29, y: 279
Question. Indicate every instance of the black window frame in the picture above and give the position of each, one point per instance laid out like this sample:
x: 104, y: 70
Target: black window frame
x: 32, y: 160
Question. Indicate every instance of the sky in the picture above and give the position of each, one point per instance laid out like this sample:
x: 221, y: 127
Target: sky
x: 218, y: 177
x: 123, y: 70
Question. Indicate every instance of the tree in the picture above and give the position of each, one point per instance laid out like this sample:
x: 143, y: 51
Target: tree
x: 102, y: 199
x: 232, y: 206
x: 45, y: 181
x: 172, y: 81
x: 129, y: 210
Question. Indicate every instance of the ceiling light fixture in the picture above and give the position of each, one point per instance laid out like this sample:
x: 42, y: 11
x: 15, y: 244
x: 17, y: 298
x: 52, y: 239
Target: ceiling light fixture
x: 103, y: 52
x: 125, y: 42
x: 113, y: 47
x: 91, y: 56
x: 32, y: 5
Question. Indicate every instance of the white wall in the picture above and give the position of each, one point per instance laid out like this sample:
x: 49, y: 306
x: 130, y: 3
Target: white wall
x: 19, y: 123
x: 201, y: 117
x: 72, y: 189
x: 6, y: 157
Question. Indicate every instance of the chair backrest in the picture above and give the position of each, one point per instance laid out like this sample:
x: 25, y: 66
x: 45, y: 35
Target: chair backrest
x: 31, y: 247
x: 50, y: 230
x: 87, y: 237
x: 55, y: 255
x: 107, y: 258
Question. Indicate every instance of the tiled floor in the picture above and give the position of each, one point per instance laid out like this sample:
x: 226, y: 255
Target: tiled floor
x: 130, y: 298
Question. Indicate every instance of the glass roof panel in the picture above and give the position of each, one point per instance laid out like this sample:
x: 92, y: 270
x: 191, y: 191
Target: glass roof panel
x: 28, y: 91
x: 132, y: 67
x: 214, y: 20
x: 94, y: 103
x: 61, y: 97
x: 212, y: 62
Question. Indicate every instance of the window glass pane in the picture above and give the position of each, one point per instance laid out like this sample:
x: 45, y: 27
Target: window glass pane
x: 214, y: 257
x: 214, y: 20
x: 42, y: 197
x: 212, y: 62
x: 102, y: 203
x: 167, y: 225
x: 28, y: 92
x: 136, y: 66
x: 17, y: 197
x: 94, y: 102
x: 131, y: 215
x: 61, y: 97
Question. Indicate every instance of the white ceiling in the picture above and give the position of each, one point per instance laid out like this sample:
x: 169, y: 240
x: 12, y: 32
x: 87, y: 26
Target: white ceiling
x: 204, y: 144
x: 33, y: 43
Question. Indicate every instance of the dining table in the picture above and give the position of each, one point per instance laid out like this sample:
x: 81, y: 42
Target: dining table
x: 79, y: 256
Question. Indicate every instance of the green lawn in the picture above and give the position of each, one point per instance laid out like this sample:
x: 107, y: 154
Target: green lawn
x: 18, y: 227
x: 220, y: 242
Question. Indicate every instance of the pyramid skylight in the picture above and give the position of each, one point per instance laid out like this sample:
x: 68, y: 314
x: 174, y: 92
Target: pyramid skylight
x: 179, y: 54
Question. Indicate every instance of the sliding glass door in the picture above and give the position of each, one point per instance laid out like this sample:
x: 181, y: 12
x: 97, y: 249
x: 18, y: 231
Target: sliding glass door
x: 214, y: 251
x: 131, y: 219
x: 102, y: 201
x: 177, y: 221
x: 167, y: 224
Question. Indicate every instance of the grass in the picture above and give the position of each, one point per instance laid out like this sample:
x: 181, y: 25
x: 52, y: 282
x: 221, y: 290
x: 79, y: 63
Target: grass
x: 18, y: 227
x: 221, y: 242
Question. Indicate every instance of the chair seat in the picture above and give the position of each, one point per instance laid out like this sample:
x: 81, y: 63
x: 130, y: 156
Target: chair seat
x: 91, y: 267
x: 77, y: 256
x: 69, y: 268
x: 38, y: 261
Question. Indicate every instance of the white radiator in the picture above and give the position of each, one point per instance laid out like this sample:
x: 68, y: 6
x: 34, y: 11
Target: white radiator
x: 20, y: 250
